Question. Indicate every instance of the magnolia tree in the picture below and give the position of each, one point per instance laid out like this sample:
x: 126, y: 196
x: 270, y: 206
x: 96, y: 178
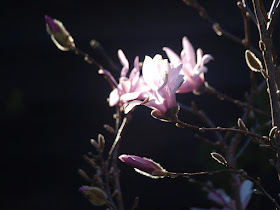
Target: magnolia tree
x: 155, y: 83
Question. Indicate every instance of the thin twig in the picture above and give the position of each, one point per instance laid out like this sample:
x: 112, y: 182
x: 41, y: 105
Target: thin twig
x: 204, y: 118
x: 216, y: 27
x: 187, y: 175
x: 181, y: 124
x: 244, y: 174
x: 87, y: 58
x: 118, y: 137
x: 223, y: 96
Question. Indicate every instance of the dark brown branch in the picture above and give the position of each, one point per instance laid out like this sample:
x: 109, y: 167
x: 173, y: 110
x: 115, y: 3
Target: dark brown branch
x: 258, y: 138
x: 187, y: 175
x: 216, y: 27
x: 223, y: 96
x: 266, y: 46
x: 244, y: 174
x: 87, y: 58
x: 208, y: 122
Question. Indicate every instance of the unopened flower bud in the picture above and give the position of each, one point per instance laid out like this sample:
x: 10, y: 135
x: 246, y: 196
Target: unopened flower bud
x: 94, y: 194
x: 101, y: 142
x: 144, y: 166
x: 94, y: 143
x: 59, y: 35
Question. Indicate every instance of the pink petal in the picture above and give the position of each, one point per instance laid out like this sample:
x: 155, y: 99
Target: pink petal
x: 172, y: 56
x: 124, y: 63
x: 206, y: 58
x: 131, y: 105
x: 199, y: 54
x: 125, y: 85
x: 174, y: 78
x: 114, y: 97
x: 187, y: 54
x: 154, y: 71
x: 130, y: 96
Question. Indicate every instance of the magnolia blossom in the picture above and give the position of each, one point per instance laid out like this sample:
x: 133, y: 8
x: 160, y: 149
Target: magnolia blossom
x: 163, y: 80
x: 193, y: 70
x: 144, y: 166
x: 133, y: 84
x: 220, y: 197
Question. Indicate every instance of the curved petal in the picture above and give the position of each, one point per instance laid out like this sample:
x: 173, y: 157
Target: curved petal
x: 114, y: 97
x: 131, y: 105
x: 154, y: 71
x: 187, y: 86
x: 206, y: 58
x: 199, y: 55
x: 175, y: 79
x: 188, y: 53
x: 130, y: 96
x: 124, y: 63
x: 172, y: 56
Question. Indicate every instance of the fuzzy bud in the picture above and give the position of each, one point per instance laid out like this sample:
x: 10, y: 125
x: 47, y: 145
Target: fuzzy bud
x: 94, y: 194
x: 144, y: 166
x: 59, y: 35
x: 101, y: 142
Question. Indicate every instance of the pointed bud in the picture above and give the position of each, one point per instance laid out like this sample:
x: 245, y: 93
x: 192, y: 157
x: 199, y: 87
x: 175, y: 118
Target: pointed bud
x: 95, y: 195
x: 216, y: 27
x: 252, y: 61
x: 109, y: 128
x: 94, y: 143
x: 83, y: 174
x: 59, y: 35
x: 135, y: 203
x: 144, y: 166
x: 219, y: 158
x: 101, y: 142
x: 241, y: 124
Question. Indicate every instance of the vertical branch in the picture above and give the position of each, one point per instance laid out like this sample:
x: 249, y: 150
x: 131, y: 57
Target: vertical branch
x: 266, y: 47
x: 115, y: 151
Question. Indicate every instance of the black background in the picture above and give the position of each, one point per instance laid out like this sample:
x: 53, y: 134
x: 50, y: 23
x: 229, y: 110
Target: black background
x: 53, y: 103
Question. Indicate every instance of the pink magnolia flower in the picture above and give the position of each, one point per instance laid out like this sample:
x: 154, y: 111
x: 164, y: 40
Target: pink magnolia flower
x: 134, y: 84
x: 193, y: 70
x: 163, y: 80
x: 144, y: 166
x: 220, y: 197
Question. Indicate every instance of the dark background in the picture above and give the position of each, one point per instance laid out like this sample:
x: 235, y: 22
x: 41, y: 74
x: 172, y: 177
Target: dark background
x: 53, y: 103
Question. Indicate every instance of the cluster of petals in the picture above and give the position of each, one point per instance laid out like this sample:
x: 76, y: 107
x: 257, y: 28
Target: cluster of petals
x: 193, y: 69
x: 162, y: 80
x: 133, y: 84
x: 220, y: 197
